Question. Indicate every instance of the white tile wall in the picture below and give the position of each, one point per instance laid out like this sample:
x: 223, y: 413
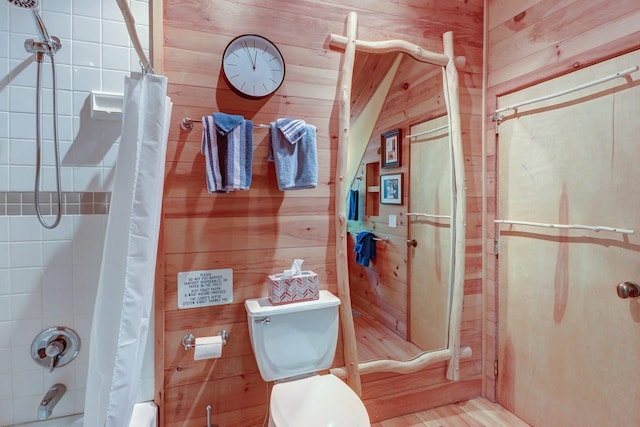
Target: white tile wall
x: 49, y: 277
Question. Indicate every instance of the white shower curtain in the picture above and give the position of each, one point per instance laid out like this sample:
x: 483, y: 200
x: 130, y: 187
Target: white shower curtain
x: 125, y: 291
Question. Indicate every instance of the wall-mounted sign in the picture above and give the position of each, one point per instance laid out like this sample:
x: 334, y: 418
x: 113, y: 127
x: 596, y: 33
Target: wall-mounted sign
x: 203, y: 288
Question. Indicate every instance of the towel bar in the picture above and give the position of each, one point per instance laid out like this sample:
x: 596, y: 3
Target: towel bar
x: 378, y: 239
x: 187, y: 124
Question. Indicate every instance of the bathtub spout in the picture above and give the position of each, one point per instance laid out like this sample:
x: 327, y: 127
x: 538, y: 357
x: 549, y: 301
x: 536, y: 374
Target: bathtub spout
x: 50, y: 400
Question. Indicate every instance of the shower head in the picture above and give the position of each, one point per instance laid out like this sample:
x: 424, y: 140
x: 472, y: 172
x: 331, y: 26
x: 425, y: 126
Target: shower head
x: 27, y: 4
x: 37, y: 19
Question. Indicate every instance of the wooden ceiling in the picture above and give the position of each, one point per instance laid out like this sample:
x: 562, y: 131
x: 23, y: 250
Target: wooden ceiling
x: 368, y: 71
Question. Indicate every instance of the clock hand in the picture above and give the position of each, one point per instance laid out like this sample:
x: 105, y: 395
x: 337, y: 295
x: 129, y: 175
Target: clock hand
x: 246, y: 49
x: 255, y: 59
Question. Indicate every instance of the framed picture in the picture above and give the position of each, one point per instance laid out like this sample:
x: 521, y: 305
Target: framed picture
x: 391, y: 149
x: 391, y: 189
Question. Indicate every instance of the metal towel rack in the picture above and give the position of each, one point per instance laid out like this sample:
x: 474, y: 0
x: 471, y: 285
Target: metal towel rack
x: 376, y: 238
x: 187, y: 124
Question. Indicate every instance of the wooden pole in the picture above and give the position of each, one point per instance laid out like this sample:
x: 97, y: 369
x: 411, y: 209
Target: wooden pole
x: 385, y: 46
x: 342, y: 269
x: 450, y: 77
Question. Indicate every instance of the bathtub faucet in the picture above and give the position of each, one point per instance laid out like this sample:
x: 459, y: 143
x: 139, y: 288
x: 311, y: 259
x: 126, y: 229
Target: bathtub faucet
x: 50, y: 400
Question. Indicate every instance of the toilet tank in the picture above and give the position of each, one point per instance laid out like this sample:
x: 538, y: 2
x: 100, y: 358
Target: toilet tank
x: 293, y: 339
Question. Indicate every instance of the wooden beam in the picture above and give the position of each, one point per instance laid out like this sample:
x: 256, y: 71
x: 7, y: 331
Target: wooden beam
x: 403, y: 46
x: 407, y: 366
x: 342, y: 268
x: 450, y: 77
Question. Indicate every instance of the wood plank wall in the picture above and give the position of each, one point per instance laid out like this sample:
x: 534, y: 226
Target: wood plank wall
x: 260, y: 231
x: 528, y: 42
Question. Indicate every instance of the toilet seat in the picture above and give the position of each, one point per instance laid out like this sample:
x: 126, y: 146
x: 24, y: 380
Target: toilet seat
x: 317, y: 401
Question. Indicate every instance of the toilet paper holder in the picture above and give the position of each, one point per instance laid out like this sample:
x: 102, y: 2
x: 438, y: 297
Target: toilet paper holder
x: 189, y: 340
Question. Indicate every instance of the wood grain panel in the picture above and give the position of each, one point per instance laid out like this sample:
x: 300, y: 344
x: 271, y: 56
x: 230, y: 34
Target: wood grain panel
x: 246, y: 233
x: 194, y: 207
x: 191, y: 400
x: 552, y: 38
x: 472, y: 413
x: 593, y: 41
x: 266, y: 260
x: 260, y: 231
x: 565, y: 23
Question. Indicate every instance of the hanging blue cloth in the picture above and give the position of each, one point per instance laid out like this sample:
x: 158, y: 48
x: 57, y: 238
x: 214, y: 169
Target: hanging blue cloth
x: 365, y: 248
x: 353, y: 205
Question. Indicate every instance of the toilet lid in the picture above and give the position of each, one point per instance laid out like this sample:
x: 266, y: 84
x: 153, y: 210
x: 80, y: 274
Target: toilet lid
x: 318, y: 401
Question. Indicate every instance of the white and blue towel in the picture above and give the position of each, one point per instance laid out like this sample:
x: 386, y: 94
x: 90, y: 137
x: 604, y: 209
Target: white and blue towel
x: 227, y: 144
x: 293, y: 149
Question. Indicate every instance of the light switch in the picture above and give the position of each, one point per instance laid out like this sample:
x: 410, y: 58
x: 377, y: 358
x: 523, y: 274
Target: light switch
x: 393, y: 221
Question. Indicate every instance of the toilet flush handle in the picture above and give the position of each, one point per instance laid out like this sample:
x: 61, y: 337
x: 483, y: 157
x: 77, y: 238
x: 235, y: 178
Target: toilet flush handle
x: 265, y: 321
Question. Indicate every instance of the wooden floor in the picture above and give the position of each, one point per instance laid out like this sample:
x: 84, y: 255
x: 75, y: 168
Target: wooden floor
x: 375, y: 341
x: 473, y: 413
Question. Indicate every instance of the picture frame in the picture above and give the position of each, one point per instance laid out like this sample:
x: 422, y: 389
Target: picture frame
x: 391, y: 149
x: 391, y: 189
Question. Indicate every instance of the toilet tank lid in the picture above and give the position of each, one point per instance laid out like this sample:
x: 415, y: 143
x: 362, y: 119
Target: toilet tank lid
x: 262, y: 306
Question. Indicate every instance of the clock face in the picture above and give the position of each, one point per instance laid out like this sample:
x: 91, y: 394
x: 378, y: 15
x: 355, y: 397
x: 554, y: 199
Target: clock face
x: 253, y: 66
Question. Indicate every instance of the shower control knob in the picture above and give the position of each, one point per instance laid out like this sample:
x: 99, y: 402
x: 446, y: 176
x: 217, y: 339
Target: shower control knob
x: 628, y: 289
x: 54, y: 348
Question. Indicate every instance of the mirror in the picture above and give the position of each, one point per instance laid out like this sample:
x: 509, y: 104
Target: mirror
x: 401, y: 300
x: 391, y: 213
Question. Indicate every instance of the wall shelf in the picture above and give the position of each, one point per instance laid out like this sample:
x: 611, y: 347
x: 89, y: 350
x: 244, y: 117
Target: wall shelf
x: 372, y: 198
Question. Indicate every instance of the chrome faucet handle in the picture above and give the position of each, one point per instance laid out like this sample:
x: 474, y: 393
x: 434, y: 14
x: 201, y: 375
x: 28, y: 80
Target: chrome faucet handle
x: 55, y: 347
x: 53, y: 351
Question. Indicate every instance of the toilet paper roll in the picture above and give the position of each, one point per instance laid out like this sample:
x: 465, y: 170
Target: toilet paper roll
x: 208, y: 348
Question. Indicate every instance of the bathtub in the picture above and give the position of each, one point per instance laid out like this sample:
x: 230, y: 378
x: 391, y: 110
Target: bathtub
x: 145, y: 414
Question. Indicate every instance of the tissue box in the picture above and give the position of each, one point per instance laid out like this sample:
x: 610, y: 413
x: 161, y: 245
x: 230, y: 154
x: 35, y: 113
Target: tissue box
x: 287, y: 289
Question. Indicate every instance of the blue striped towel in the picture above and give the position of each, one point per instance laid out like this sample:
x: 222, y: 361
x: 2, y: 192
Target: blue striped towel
x: 227, y: 144
x: 293, y: 149
x: 292, y: 129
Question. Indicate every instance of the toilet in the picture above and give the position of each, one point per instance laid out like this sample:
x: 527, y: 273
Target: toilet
x: 292, y: 343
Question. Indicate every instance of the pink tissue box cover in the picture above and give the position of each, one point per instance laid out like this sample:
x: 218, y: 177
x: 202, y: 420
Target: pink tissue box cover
x: 302, y: 287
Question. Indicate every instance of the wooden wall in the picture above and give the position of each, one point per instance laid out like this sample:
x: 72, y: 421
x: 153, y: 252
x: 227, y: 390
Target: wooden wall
x: 260, y: 231
x: 530, y: 41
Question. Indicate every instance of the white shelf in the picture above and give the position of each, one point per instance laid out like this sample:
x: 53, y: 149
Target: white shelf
x: 106, y: 106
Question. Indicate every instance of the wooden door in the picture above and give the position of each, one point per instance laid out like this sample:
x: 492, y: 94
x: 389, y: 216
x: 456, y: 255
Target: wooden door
x: 569, y: 347
x: 430, y: 259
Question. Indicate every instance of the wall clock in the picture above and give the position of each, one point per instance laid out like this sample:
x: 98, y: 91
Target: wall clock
x: 253, y: 66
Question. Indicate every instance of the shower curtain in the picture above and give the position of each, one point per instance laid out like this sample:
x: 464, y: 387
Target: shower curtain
x: 125, y: 291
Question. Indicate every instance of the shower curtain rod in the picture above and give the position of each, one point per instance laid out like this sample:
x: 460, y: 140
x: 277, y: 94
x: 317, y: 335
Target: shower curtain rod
x: 496, y: 115
x: 133, y: 34
x: 187, y: 124
x: 566, y: 226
